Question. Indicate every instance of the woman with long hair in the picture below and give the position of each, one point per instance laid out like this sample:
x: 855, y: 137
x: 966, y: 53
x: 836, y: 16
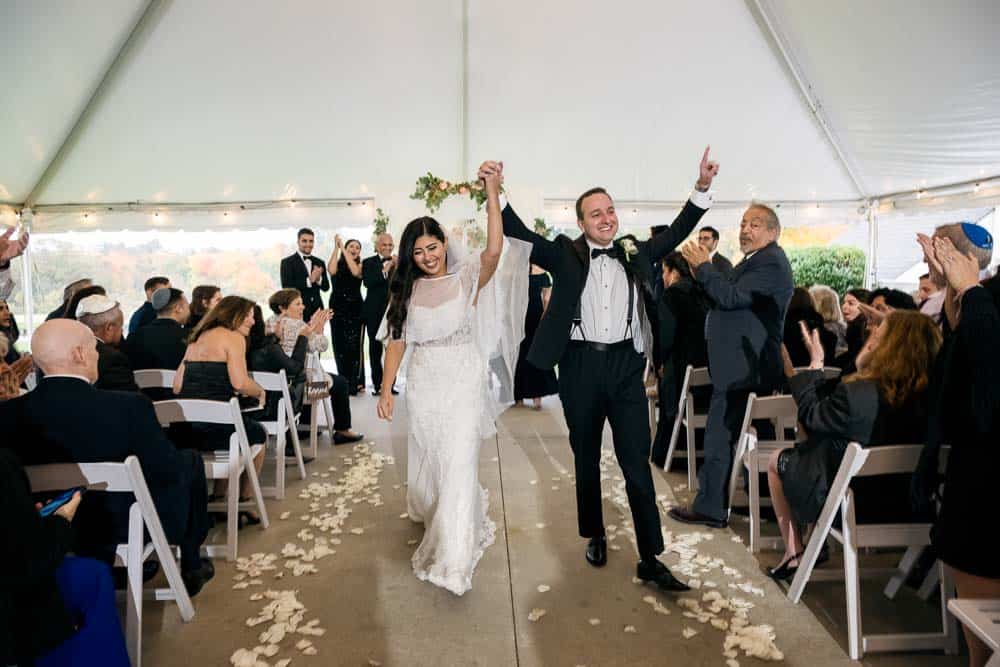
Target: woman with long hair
x: 215, y: 368
x: 346, y: 303
x: 203, y: 299
x: 884, y: 403
x: 827, y: 304
x: 458, y: 320
x: 9, y: 330
x: 857, y: 328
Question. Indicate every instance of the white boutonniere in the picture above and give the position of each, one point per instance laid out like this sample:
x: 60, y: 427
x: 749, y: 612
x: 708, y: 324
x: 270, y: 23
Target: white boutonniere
x: 628, y: 245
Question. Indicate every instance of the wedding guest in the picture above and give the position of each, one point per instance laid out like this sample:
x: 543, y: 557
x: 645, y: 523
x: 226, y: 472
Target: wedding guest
x: 12, y: 376
x: 857, y: 329
x: 10, y: 248
x: 931, y: 295
x: 104, y: 317
x: 681, y: 312
x: 886, y: 300
x: 55, y: 609
x: 288, y: 326
x: 827, y: 304
x: 214, y: 368
x: 146, y: 313
x: 529, y: 380
x: 884, y: 403
x: 346, y: 303
x: 375, y: 272
x: 203, y: 299
x: 306, y: 273
x: 9, y: 331
x: 801, y: 309
x: 162, y: 343
x: 744, y: 332
x: 68, y: 292
x: 708, y: 238
x: 966, y: 415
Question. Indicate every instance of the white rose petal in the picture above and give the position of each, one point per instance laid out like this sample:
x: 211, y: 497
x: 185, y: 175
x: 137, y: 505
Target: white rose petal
x: 542, y: 588
x: 688, y: 632
x: 536, y: 614
x: 594, y: 621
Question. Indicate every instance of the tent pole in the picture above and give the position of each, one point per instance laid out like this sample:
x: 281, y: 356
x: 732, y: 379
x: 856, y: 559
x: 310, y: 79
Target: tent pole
x: 770, y: 21
x: 142, y: 28
x: 463, y: 168
x: 27, y: 291
x: 871, y: 260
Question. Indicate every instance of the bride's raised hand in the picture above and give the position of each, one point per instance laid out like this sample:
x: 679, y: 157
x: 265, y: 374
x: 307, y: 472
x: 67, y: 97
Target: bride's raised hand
x: 386, y: 403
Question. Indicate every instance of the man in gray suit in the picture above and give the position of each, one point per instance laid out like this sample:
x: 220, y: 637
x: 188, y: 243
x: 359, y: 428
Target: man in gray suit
x: 744, y: 331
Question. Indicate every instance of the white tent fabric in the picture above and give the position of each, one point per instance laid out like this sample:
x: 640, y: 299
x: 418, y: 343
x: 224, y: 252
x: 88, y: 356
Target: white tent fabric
x: 232, y: 101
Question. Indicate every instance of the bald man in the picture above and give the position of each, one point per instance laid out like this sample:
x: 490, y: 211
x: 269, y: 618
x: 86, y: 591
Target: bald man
x: 375, y: 272
x: 66, y: 419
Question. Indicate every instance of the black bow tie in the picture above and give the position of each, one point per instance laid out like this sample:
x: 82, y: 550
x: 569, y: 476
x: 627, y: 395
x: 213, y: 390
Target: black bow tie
x: 611, y: 252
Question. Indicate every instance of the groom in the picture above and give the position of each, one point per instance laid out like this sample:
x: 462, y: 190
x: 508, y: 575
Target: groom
x: 596, y: 329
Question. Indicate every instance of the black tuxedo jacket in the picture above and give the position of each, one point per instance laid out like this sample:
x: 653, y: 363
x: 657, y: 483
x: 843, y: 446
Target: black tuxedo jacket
x: 569, y: 263
x: 293, y: 274
x: 160, y: 344
x: 377, y: 298
x: 746, y: 326
x: 68, y: 420
x: 114, y: 371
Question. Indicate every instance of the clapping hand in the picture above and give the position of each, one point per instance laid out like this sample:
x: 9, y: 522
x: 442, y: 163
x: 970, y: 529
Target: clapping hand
x: 707, y: 171
x: 961, y: 271
x: 815, y: 346
x: 13, y: 375
x: 339, y: 242
x: 316, y: 274
x: 695, y: 255
x: 317, y: 322
x: 930, y: 255
x: 10, y: 249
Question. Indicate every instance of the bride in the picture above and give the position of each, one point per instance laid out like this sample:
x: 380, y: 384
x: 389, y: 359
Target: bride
x: 460, y: 324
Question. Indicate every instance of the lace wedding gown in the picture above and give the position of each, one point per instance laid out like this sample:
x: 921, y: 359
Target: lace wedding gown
x: 459, y: 375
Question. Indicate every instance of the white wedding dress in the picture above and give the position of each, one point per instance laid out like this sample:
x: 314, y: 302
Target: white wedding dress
x: 459, y: 367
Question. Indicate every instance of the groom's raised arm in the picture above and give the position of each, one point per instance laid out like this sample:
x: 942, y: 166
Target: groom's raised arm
x: 695, y: 207
x: 544, y: 253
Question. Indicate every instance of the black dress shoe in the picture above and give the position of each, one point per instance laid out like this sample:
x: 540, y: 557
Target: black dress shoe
x: 339, y: 439
x: 685, y: 515
x: 195, y: 580
x: 597, y: 551
x: 376, y: 392
x: 394, y: 392
x: 656, y: 572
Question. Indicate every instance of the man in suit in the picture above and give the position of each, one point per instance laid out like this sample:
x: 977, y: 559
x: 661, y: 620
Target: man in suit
x: 306, y: 273
x: 375, y: 272
x: 65, y: 419
x: 163, y: 342
x: 708, y: 238
x: 145, y: 313
x: 597, y: 330
x: 104, y: 317
x: 744, y: 330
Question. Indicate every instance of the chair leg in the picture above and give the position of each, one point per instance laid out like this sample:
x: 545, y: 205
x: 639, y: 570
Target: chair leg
x: 296, y: 444
x: 930, y: 583
x: 313, y: 430
x: 233, y: 505
x: 751, y: 464
x: 906, y: 565
x: 949, y: 623
x: 251, y: 473
x: 691, y: 450
x: 279, y: 472
x: 852, y: 582
x: 328, y: 412
x: 133, y: 593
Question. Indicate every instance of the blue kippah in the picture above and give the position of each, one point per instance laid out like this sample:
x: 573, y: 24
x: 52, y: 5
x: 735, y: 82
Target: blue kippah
x: 979, y: 236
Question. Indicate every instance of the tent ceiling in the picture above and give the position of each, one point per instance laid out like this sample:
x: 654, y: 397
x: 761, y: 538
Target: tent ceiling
x: 232, y: 100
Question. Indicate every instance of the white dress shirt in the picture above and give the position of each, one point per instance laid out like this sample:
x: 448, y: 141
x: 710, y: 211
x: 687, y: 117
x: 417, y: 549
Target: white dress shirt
x: 309, y: 269
x: 604, y: 304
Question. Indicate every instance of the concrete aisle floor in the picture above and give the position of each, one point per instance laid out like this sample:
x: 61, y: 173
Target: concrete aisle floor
x: 375, y: 612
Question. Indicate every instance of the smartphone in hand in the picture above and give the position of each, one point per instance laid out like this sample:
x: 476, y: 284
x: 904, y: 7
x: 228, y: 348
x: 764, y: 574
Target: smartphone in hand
x: 60, y: 500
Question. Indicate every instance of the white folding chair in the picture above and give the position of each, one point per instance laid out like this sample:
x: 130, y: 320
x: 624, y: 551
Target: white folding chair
x: 154, y: 378
x: 125, y: 477
x: 693, y: 377
x: 223, y: 464
x: 866, y: 462
x: 983, y: 618
x: 652, y: 395
x: 314, y: 401
x: 278, y: 382
x: 753, y: 454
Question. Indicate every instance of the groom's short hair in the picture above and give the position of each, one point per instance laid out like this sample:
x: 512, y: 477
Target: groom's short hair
x: 588, y: 193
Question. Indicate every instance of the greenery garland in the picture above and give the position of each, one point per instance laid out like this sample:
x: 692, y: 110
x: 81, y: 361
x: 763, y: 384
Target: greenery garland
x: 381, y: 223
x: 433, y: 191
x: 543, y: 229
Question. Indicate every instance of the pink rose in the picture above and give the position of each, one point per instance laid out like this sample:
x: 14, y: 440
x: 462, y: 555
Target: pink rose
x: 463, y: 190
x: 443, y: 185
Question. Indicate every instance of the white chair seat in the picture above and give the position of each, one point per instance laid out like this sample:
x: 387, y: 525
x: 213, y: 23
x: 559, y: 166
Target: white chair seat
x: 982, y: 617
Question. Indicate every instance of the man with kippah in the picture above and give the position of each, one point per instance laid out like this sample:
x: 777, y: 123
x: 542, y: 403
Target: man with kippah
x: 968, y: 239
x: 105, y: 318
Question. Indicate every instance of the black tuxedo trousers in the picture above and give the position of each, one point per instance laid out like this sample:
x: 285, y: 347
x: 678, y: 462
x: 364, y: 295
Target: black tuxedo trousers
x: 595, y: 386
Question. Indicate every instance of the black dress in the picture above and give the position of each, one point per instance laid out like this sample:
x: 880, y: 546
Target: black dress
x: 346, y: 325
x: 529, y: 380
x: 209, y: 380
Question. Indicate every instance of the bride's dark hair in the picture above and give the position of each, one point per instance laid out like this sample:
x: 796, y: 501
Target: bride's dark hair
x: 406, y: 273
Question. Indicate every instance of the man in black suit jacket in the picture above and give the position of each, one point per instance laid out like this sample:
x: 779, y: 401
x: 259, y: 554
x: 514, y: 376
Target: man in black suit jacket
x: 375, y: 272
x: 744, y: 331
x: 596, y: 328
x: 306, y: 273
x: 65, y: 419
x: 708, y: 238
x: 163, y: 342
x: 104, y: 317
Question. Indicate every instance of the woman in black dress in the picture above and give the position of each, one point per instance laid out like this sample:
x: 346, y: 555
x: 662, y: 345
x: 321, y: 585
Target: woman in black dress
x: 346, y: 302
x: 530, y: 381
x: 203, y: 299
x: 215, y: 368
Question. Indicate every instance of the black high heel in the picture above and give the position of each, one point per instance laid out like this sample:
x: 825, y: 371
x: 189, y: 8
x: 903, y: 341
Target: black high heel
x: 784, y: 571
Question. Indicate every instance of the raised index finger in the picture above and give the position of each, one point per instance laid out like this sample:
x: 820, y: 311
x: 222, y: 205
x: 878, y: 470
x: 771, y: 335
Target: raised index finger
x: 704, y: 157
